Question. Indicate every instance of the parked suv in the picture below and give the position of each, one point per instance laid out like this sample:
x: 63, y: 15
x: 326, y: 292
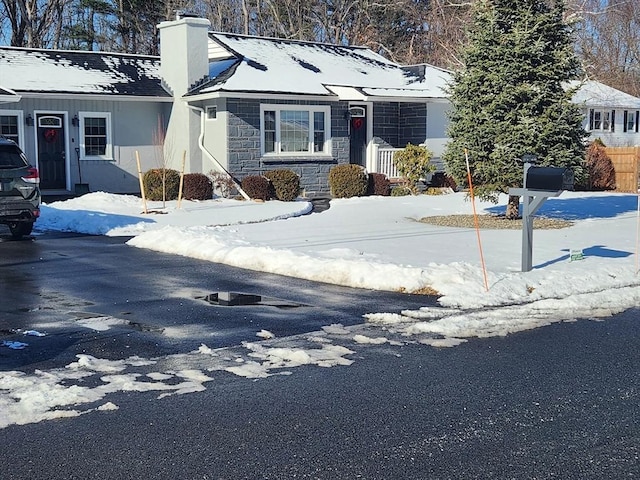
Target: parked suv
x: 19, y: 189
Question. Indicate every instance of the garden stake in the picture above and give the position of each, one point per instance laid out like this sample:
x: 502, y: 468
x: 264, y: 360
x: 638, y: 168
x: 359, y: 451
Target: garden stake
x: 475, y: 219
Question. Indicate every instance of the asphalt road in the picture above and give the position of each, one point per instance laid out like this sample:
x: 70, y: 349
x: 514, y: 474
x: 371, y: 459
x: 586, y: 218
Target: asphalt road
x: 559, y: 402
x: 53, y: 280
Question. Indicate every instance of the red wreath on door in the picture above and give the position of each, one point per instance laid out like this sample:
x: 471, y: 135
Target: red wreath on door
x: 50, y: 135
x: 356, y: 123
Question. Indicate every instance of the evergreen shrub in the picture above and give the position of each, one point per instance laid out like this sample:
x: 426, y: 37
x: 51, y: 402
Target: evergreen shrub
x: 378, y: 184
x: 197, y: 186
x: 256, y: 187
x: 285, y: 184
x: 413, y: 163
x: 600, y: 171
x: 401, y: 191
x: 153, y: 184
x: 347, y: 180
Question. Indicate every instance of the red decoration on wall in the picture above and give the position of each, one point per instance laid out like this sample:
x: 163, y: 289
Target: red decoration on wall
x: 357, y: 123
x: 50, y: 135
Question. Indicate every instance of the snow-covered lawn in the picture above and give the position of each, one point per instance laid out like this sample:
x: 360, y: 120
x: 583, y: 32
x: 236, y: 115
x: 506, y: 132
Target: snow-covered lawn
x: 370, y: 242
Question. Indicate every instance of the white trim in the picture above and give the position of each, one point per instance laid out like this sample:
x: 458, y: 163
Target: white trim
x: 259, y: 96
x: 108, y: 155
x: 326, y: 109
x: 20, y: 115
x: 97, y: 96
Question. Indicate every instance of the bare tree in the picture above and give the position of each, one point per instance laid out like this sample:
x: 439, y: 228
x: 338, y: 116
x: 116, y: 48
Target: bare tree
x: 34, y: 23
x: 608, y: 41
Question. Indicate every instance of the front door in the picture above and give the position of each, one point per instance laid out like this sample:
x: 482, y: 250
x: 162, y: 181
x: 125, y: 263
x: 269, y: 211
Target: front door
x: 51, y: 151
x: 358, y: 135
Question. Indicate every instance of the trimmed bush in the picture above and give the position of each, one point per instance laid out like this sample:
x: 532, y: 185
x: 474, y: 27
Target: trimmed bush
x: 601, y: 174
x: 197, y: 186
x: 285, y: 184
x: 153, y: 184
x: 378, y: 184
x: 256, y: 186
x: 347, y: 181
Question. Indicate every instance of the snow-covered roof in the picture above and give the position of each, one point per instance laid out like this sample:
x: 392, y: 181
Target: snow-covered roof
x: 269, y: 65
x: 596, y: 94
x: 29, y: 71
x: 8, y: 96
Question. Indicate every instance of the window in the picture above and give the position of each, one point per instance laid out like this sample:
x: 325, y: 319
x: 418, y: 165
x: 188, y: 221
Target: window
x: 631, y: 121
x: 95, y: 136
x: 12, y: 126
x: 9, y: 126
x: 212, y: 113
x: 295, y: 130
x: 604, y: 120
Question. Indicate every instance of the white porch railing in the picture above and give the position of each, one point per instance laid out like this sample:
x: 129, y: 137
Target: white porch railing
x: 383, y: 157
x: 384, y: 161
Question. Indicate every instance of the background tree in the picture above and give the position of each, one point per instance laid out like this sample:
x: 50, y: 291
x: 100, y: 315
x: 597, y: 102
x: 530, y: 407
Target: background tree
x: 608, y: 42
x: 508, y: 100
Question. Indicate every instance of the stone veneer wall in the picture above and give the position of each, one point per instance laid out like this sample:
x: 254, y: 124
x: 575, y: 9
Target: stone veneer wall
x: 245, y: 152
x: 413, y: 124
x: 385, y: 123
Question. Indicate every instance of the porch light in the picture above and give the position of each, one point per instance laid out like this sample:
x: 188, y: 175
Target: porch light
x: 75, y: 121
x: 29, y: 120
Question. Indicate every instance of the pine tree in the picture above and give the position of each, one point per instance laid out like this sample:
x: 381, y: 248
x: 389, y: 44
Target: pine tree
x: 511, y: 100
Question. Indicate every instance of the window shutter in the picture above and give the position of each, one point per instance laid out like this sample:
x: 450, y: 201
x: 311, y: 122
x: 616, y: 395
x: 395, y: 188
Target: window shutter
x: 637, y: 112
x: 591, y: 119
x: 613, y: 120
x: 624, y: 121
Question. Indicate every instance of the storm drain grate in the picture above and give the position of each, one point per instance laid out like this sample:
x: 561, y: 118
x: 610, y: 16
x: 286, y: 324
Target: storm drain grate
x: 231, y: 299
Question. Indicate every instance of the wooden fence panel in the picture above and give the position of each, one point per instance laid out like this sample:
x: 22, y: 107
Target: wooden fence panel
x: 625, y: 161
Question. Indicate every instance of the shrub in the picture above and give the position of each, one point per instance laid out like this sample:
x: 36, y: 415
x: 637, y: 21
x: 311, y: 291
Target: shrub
x: 601, y: 174
x: 378, y: 184
x: 347, y: 181
x: 222, y: 183
x: 413, y: 163
x: 400, y: 191
x: 256, y: 187
x: 197, y: 186
x: 153, y: 184
x: 443, y: 180
x: 285, y: 184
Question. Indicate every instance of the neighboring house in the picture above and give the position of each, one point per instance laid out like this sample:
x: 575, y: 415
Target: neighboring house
x: 81, y: 116
x: 269, y: 103
x: 609, y: 114
x: 236, y: 104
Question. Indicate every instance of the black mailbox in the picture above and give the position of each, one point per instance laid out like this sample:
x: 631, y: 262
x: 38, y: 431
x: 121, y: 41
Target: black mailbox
x: 549, y: 178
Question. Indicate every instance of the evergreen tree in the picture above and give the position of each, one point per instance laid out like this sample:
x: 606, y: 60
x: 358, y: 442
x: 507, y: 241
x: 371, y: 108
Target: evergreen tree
x: 511, y: 100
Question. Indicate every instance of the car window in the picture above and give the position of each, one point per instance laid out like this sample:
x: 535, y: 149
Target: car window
x: 11, y: 157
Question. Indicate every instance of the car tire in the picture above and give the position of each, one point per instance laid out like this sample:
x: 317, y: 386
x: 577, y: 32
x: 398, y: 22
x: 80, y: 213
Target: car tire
x: 20, y: 229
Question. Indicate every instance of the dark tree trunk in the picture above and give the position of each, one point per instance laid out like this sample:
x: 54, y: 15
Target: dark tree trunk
x: 513, y: 207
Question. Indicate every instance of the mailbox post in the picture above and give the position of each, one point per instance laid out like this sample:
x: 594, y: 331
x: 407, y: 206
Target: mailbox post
x: 539, y: 184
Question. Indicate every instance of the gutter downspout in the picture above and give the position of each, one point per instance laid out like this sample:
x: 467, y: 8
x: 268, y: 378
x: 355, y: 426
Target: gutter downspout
x: 211, y: 157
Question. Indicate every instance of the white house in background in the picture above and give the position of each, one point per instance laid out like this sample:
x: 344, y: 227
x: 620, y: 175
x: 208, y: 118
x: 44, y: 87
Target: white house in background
x: 237, y: 104
x: 609, y: 114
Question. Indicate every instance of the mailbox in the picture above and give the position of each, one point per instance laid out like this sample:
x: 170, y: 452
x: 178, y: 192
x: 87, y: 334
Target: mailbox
x: 549, y: 178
